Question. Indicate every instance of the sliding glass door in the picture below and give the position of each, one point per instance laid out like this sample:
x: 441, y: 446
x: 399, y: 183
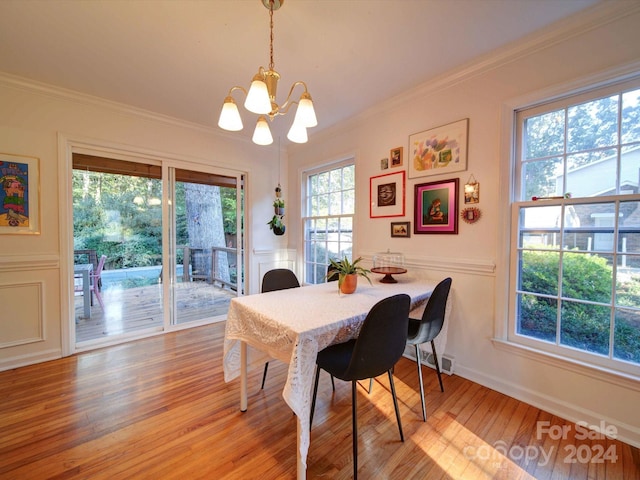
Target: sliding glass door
x: 168, y: 257
x: 205, y: 245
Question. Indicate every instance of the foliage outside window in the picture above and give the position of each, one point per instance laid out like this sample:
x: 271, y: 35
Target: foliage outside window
x: 328, y: 218
x: 576, y: 261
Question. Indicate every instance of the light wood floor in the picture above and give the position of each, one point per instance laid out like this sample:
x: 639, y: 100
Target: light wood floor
x: 158, y: 408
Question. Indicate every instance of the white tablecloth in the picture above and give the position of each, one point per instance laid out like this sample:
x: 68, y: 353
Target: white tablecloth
x: 294, y: 325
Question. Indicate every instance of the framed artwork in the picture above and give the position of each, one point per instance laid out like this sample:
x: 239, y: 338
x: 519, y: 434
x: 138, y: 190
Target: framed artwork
x: 440, y: 150
x: 472, y: 190
x: 384, y: 164
x: 436, y: 207
x: 401, y: 229
x: 19, y: 195
x: 396, y: 157
x: 387, y: 195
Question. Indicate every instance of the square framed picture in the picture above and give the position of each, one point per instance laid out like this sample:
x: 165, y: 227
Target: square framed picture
x: 436, y: 207
x: 439, y: 150
x: 387, y: 195
x: 396, y: 157
x: 19, y: 194
x: 401, y: 229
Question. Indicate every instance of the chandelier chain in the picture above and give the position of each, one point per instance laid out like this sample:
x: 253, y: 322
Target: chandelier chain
x: 271, y: 36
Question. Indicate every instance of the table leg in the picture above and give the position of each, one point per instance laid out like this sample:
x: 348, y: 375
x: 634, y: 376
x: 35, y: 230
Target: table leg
x: 243, y: 376
x: 86, y: 293
x: 302, y: 469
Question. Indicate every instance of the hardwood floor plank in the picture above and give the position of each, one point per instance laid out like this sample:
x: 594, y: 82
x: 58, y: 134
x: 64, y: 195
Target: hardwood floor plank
x: 158, y: 408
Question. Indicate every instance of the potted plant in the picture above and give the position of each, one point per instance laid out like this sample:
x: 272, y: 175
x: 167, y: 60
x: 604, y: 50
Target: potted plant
x: 348, y: 273
x: 276, y: 225
x: 278, y: 205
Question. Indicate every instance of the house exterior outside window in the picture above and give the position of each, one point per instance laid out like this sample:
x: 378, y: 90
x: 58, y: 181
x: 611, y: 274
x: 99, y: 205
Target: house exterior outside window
x: 575, y: 258
x: 328, y: 214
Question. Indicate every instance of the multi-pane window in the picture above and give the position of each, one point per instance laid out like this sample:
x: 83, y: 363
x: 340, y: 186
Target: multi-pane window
x: 576, y: 217
x: 328, y: 218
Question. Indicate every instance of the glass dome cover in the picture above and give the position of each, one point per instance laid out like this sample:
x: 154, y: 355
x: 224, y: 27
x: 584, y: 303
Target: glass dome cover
x: 388, y: 263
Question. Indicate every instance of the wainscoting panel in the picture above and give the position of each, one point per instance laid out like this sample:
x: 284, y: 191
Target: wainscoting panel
x: 22, y: 312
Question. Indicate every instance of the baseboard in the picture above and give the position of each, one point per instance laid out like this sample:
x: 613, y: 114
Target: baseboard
x: 30, y: 359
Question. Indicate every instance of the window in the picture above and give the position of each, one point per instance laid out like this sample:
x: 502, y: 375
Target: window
x: 576, y: 228
x: 328, y: 222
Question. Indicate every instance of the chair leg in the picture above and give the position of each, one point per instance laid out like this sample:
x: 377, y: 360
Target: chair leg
x: 315, y: 393
x: 424, y: 408
x: 333, y: 384
x: 264, y: 375
x: 435, y: 360
x: 395, y: 404
x: 354, y: 419
x: 99, y: 297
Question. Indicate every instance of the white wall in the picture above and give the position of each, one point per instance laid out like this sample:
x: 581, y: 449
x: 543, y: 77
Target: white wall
x: 34, y: 118
x: 476, y: 257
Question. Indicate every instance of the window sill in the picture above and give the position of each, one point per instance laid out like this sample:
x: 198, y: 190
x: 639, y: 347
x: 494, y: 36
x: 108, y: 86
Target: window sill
x: 621, y: 379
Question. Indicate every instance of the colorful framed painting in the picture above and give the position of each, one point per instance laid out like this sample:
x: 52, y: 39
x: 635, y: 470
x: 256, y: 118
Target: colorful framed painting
x: 19, y: 195
x: 401, y: 229
x: 436, y: 207
x: 440, y: 150
x: 387, y: 195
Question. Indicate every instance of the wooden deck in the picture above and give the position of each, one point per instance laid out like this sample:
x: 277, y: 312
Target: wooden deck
x: 128, y: 310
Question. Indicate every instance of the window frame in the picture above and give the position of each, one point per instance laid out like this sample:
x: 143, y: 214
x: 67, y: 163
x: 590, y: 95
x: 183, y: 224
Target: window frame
x: 509, y: 335
x: 306, y: 206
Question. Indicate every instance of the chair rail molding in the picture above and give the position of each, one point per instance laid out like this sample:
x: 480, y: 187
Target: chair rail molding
x: 474, y: 266
x: 15, y: 263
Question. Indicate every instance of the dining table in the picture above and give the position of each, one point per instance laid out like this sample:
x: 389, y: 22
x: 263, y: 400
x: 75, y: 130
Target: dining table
x: 293, y: 325
x: 83, y: 270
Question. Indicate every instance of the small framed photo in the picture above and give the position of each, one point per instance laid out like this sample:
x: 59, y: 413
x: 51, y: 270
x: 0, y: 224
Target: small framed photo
x: 19, y: 194
x: 401, y: 229
x: 436, y: 207
x: 396, y: 157
x: 384, y: 164
x: 387, y: 195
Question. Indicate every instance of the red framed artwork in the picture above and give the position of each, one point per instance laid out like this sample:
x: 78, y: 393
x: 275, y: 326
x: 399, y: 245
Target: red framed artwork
x: 387, y: 195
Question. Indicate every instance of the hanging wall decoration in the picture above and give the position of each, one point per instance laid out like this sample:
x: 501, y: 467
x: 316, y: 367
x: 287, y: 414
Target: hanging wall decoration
x: 472, y: 190
x: 276, y: 224
x: 470, y: 214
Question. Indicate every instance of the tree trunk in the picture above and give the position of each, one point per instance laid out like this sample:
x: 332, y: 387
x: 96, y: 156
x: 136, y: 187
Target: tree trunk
x: 205, y: 229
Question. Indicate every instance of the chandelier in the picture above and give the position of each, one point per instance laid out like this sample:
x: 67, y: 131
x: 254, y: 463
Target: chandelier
x: 261, y: 100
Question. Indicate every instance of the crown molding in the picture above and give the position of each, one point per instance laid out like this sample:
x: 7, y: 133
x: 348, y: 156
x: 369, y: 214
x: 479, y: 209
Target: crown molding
x: 53, y: 91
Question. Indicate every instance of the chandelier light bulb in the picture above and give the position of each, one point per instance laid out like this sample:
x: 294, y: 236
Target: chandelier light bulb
x: 305, y: 114
x: 297, y: 133
x: 230, y: 116
x: 258, y: 97
x: 262, y: 133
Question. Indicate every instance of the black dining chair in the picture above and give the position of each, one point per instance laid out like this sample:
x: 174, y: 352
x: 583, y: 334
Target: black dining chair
x: 427, y: 328
x: 379, y: 346
x: 277, y: 279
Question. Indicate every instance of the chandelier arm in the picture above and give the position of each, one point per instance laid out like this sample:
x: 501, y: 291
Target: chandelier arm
x: 231, y: 90
x: 287, y: 103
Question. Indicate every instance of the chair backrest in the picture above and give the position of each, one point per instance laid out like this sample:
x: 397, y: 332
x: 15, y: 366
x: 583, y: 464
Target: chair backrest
x: 334, y: 278
x: 433, y: 315
x: 98, y: 271
x: 279, y: 279
x: 382, y: 338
